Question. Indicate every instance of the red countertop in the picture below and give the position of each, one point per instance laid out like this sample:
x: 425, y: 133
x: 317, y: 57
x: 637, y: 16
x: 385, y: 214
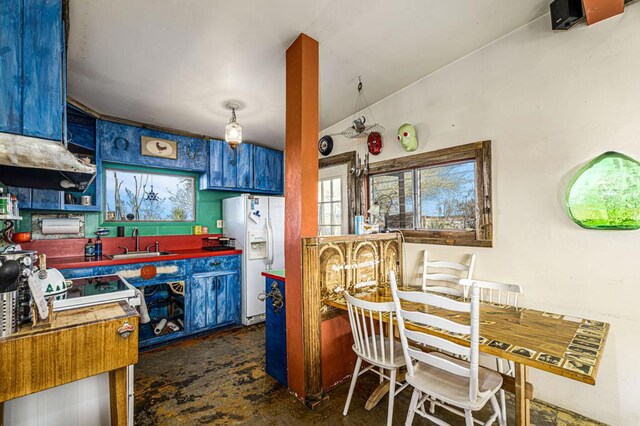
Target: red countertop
x: 69, y: 252
x: 82, y: 262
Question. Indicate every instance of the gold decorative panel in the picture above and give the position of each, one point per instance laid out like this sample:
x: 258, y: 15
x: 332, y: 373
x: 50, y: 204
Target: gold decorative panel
x: 356, y: 263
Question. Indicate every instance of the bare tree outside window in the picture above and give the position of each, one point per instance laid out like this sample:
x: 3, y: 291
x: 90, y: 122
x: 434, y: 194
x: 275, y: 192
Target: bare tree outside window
x: 448, y: 197
x: 436, y: 197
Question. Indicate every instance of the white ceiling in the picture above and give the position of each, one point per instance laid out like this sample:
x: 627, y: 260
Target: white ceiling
x: 177, y: 63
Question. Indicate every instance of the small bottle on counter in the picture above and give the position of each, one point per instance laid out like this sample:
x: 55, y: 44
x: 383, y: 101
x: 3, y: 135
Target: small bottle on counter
x: 89, y: 249
x: 15, y: 211
x: 98, y: 247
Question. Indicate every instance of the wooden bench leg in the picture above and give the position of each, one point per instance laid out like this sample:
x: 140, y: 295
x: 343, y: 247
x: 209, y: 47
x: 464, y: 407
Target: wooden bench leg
x: 118, y: 396
x: 523, y: 404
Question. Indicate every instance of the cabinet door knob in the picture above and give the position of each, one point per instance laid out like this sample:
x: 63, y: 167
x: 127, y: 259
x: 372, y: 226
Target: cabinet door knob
x: 126, y: 329
x: 216, y: 263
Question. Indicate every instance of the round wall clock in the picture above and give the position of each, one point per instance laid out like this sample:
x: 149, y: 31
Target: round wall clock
x: 325, y: 145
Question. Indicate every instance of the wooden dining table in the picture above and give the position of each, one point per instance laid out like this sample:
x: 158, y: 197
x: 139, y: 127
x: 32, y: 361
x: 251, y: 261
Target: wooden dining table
x: 559, y: 344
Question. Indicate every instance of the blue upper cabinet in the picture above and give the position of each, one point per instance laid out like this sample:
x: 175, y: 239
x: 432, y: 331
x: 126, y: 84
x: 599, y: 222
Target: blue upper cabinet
x: 213, y: 179
x: 46, y: 199
x: 237, y: 166
x: 244, y: 176
x: 246, y: 168
x: 11, y: 67
x: 32, y: 64
x: 122, y: 143
x: 229, y: 166
x: 268, y: 170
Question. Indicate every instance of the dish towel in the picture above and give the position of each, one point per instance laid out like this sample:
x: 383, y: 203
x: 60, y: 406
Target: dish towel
x: 144, y: 313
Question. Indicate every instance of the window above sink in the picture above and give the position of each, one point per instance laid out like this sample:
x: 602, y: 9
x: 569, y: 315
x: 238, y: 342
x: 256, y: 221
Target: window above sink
x: 136, y: 196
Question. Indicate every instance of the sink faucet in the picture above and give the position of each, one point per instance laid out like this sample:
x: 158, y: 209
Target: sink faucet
x: 135, y: 233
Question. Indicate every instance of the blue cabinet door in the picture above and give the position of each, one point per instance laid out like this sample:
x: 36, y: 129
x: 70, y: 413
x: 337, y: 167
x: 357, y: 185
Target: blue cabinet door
x: 237, y: 166
x: 229, y: 166
x: 199, y: 289
x: 31, y: 65
x: 228, y: 298
x: 245, y: 166
x: 267, y: 170
x: 11, y: 66
x: 46, y: 199
x: 42, y: 69
x: 213, y: 179
x: 276, y: 335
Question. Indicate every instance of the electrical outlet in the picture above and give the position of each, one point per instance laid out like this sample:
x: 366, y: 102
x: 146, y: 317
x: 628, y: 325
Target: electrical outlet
x: 220, y: 223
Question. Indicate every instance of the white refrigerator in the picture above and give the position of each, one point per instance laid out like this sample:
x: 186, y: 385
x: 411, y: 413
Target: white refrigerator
x: 257, y: 224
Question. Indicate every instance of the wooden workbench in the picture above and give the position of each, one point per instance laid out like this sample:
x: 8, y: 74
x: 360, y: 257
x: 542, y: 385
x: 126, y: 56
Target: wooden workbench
x: 80, y: 343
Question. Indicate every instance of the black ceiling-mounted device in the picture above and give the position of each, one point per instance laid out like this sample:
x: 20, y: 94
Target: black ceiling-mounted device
x: 565, y: 13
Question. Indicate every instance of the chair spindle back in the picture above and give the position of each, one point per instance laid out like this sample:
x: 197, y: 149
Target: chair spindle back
x: 368, y: 333
x: 412, y: 354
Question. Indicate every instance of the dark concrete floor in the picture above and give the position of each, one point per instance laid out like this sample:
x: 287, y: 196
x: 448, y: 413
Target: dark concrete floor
x: 220, y: 379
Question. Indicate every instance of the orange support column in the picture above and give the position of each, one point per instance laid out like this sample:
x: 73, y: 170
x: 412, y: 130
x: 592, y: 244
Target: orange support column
x: 301, y: 190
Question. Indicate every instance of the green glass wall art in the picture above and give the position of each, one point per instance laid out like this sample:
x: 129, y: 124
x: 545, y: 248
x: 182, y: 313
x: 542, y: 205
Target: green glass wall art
x: 605, y: 194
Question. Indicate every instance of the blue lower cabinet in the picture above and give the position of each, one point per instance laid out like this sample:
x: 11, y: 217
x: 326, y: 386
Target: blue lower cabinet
x: 215, y: 264
x: 210, y: 298
x: 157, y: 272
x: 228, y: 298
x: 276, y: 334
x: 201, y: 298
x: 214, y: 300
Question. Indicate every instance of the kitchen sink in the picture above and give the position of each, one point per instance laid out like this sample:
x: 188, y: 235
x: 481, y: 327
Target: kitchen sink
x: 137, y: 254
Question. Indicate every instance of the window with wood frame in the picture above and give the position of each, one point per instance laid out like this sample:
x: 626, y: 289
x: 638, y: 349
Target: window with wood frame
x: 437, y: 197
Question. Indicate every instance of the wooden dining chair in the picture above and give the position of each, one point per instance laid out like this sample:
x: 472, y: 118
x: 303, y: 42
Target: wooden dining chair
x: 374, y: 347
x: 438, y: 379
x: 446, y: 271
x: 502, y: 294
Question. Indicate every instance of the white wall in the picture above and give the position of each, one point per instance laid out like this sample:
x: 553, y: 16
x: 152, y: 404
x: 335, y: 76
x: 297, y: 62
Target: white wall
x: 549, y: 102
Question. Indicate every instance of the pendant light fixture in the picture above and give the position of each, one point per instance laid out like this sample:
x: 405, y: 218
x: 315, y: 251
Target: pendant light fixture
x: 233, y: 131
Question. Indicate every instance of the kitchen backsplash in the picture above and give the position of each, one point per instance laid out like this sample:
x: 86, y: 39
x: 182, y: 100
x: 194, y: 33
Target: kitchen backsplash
x: 208, y: 211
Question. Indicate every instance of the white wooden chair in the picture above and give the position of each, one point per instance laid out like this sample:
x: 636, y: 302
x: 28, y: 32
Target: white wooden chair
x: 451, y: 272
x: 438, y: 379
x: 503, y: 294
x: 372, y: 346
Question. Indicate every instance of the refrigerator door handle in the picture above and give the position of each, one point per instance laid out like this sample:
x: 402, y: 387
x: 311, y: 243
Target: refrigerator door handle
x: 267, y: 223
x: 273, y: 245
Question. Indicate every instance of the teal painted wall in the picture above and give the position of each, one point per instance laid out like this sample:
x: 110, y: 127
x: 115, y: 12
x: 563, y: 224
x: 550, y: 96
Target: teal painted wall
x: 208, y: 211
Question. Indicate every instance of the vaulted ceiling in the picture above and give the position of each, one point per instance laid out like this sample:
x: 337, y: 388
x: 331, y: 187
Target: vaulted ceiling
x: 177, y: 63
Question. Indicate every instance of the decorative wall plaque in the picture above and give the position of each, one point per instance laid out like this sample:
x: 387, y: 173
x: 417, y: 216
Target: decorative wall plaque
x: 605, y: 194
x: 154, y: 147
